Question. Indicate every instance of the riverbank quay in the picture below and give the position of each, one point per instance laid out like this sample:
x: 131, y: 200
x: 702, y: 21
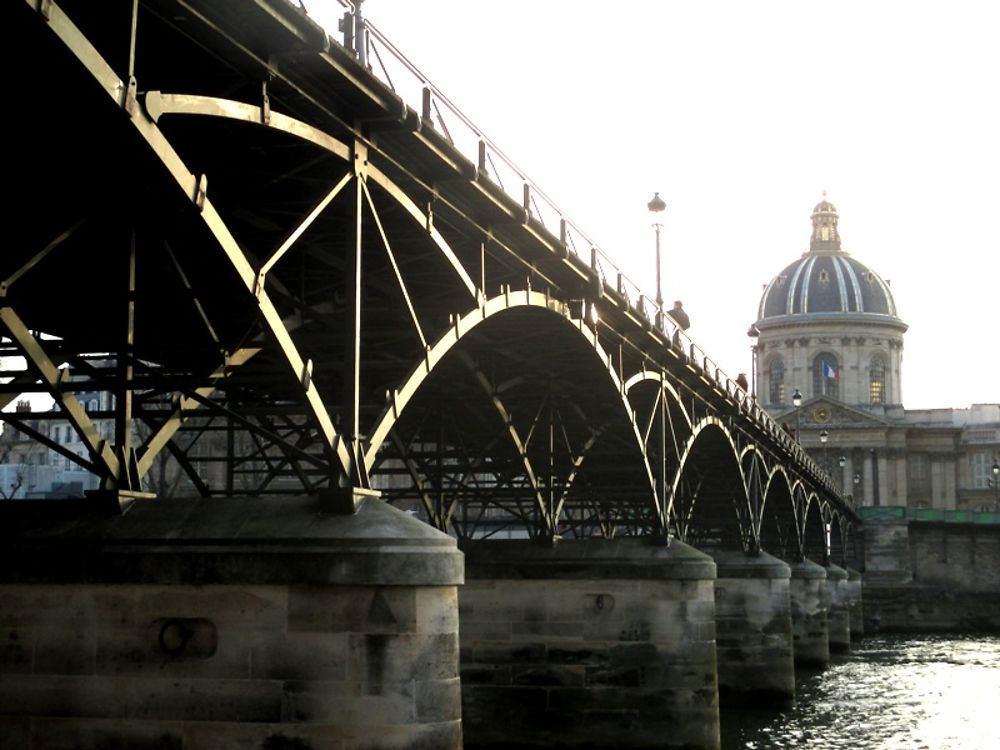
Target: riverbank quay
x: 928, y: 570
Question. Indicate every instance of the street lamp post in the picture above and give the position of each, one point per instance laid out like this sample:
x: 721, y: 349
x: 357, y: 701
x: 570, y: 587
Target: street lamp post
x: 995, y: 471
x: 823, y: 437
x: 657, y: 206
x: 857, y: 481
x: 797, y: 402
x: 842, y: 462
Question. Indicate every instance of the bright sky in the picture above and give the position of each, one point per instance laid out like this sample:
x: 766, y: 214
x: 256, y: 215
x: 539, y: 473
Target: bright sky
x: 740, y: 114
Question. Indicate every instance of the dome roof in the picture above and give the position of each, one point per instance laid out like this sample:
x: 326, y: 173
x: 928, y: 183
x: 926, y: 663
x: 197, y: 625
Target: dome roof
x: 824, y: 207
x: 826, y: 280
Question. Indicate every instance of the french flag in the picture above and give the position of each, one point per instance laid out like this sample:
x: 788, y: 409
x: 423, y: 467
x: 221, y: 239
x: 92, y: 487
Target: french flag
x: 829, y: 372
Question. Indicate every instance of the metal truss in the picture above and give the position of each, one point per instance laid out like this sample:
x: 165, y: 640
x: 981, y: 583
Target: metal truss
x: 305, y: 288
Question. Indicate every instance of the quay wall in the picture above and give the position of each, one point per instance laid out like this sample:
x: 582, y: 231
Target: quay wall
x: 924, y: 576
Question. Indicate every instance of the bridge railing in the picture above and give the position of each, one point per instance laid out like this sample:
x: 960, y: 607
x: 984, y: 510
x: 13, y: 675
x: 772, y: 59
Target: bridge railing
x: 392, y: 67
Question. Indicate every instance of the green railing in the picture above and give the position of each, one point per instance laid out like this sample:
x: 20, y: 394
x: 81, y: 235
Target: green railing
x: 901, y: 513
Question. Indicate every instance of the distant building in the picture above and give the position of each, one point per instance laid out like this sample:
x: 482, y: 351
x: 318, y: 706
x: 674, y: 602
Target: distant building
x: 827, y: 327
x: 40, y: 460
x: 36, y: 462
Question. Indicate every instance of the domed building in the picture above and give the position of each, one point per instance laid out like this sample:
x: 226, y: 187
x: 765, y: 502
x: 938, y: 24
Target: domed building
x: 828, y: 330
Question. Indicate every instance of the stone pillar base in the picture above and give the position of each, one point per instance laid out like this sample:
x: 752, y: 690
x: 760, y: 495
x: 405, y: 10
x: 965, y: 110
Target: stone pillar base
x: 588, y: 643
x: 810, y: 629
x: 753, y: 623
x: 839, y: 613
x: 229, y: 623
x: 855, y: 603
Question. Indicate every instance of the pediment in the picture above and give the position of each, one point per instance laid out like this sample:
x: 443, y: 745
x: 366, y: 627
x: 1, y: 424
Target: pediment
x: 822, y: 412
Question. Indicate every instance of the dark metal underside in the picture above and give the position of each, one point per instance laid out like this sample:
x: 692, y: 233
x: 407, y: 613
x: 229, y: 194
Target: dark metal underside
x: 424, y: 335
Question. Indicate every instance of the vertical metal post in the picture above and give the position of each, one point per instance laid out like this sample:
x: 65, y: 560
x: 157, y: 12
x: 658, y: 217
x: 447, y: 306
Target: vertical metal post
x: 659, y: 288
x: 125, y: 367
x: 352, y: 355
x: 482, y: 270
x: 131, y: 41
x: 663, y: 453
x: 553, y: 526
x: 657, y: 206
x: 230, y: 456
x: 360, y: 36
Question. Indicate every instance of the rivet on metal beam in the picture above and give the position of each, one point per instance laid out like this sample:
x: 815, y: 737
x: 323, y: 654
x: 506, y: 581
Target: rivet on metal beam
x: 129, y: 103
x: 45, y: 8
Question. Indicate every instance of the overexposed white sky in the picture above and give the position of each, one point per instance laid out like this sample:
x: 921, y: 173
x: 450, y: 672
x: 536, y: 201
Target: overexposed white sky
x: 740, y: 114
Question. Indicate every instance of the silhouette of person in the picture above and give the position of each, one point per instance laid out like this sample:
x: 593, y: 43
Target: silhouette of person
x: 741, y: 381
x: 679, y: 316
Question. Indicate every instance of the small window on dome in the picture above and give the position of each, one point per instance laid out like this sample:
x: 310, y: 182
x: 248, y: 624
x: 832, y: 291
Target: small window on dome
x: 776, y: 380
x: 870, y: 277
x: 876, y: 380
x: 781, y: 281
x: 824, y: 277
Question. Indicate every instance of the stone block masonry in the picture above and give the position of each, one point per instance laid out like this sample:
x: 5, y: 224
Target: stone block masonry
x: 810, y: 624
x: 754, y: 631
x: 589, y: 643
x: 923, y: 576
x: 242, y: 623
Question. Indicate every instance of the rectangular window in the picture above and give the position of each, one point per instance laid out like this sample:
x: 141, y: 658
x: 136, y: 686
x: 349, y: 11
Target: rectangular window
x: 918, y: 464
x: 876, y: 391
x: 981, y: 465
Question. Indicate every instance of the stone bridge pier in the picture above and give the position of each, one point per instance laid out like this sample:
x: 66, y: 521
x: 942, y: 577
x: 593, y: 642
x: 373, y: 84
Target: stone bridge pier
x: 229, y: 623
x: 588, y: 643
x: 754, y: 631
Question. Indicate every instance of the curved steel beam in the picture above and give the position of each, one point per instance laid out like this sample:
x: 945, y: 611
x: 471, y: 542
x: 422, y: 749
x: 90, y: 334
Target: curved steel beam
x: 702, y: 426
x: 398, y: 399
x: 514, y: 435
x: 158, y: 104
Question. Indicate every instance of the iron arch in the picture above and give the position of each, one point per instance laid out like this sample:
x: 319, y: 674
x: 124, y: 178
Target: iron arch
x: 815, y: 530
x: 719, y: 497
x: 779, y: 517
x: 549, y: 496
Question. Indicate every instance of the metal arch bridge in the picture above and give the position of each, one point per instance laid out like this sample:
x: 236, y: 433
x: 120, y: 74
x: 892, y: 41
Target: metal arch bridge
x: 289, y: 280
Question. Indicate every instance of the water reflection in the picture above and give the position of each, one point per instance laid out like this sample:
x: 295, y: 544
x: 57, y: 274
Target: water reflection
x: 914, y: 692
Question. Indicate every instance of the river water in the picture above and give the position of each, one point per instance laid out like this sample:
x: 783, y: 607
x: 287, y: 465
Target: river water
x: 933, y: 692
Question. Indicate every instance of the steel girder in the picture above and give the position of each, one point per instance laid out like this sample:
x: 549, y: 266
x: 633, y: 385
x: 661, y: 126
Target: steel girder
x: 317, y: 290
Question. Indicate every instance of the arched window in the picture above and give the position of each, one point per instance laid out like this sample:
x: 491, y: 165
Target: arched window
x: 876, y: 380
x: 826, y: 376
x: 776, y: 380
